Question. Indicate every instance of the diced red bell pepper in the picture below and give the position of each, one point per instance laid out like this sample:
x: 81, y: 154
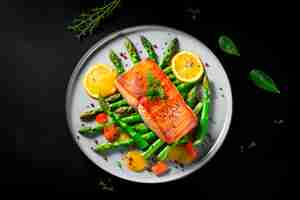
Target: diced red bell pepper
x: 111, y: 133
x: 160, y: 168
x: 102, y: 118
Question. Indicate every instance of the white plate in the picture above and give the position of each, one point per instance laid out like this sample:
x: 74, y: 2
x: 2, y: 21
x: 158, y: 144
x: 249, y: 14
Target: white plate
x: 221, y: 111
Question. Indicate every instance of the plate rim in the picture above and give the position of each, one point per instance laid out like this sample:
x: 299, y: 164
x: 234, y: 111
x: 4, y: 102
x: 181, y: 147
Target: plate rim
x: 110, y: 36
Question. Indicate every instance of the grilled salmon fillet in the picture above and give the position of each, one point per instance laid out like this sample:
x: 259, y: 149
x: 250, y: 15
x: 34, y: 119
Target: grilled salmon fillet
x: 170, y: 118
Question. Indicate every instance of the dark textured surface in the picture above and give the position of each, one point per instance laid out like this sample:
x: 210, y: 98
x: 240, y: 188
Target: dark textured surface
x: 38, y: 56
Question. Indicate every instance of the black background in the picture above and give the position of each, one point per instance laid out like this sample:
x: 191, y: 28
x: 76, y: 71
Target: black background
x: 38, y: 56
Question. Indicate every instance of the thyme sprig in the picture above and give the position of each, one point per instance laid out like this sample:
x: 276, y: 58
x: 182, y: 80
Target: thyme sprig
x: 86, y: 23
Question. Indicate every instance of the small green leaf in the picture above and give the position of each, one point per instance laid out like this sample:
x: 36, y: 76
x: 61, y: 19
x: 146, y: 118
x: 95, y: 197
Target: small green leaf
x: 228, y: 46
x: 263, y: 81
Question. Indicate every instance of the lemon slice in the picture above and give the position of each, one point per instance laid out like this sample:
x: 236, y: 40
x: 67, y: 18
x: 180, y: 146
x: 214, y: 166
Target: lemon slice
x: 100, y: 79
x: 187, y: 67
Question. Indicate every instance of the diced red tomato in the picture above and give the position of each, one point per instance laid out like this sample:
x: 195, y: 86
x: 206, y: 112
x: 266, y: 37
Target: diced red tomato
x: 191, y: 150
x: 101, y: 118
x: 160, y: 168
x: 111, y: 133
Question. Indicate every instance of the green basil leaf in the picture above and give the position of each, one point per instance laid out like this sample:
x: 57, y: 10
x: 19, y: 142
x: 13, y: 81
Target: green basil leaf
x: 228, y: 46
x: 263, y: 81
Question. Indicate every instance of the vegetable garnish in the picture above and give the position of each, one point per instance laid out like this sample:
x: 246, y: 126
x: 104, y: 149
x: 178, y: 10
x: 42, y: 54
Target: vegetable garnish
x: 263, y: 81
x: 154, y: 87
x: 101, y: 118
x: 111, y: 132
x: 160, y: 168
x: 228, y: 46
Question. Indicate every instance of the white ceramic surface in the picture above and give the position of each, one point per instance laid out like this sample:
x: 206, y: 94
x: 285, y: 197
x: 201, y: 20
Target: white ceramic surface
x: 77, y: 99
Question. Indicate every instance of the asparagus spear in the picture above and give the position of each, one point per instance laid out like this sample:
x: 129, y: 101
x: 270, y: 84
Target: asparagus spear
x: 128, y: 119
x: 124, y: 110
x: 149, y: 48
x: 203, y: 122
x: 88, y: 115
x: 96, y: 130
x: 118, y: 104
x: 141, y: 128
x: 153, y: 148
x: 163, y: 155
x: 169, y: 52
x: 172, y: 77
x: 177, y: 82
x: 167, y: 70
x: 91, y: 131
x: 113, y: 98
x: 192, y: 96
x: 141, y: 143
x: 198, y: 108
x: 132, y: 118
x: 116, y: 61
x: 134, y: 56
x: 100, y: 148
x: 185, y: 87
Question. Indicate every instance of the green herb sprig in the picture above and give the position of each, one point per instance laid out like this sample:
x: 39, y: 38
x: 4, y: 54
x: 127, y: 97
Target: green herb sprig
x: 154, y: 87
x: 86, y: 23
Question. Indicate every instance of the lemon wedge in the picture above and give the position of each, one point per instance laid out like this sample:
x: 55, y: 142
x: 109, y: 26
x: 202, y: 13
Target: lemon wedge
x: 187, y: 66
x: 100, y: 79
